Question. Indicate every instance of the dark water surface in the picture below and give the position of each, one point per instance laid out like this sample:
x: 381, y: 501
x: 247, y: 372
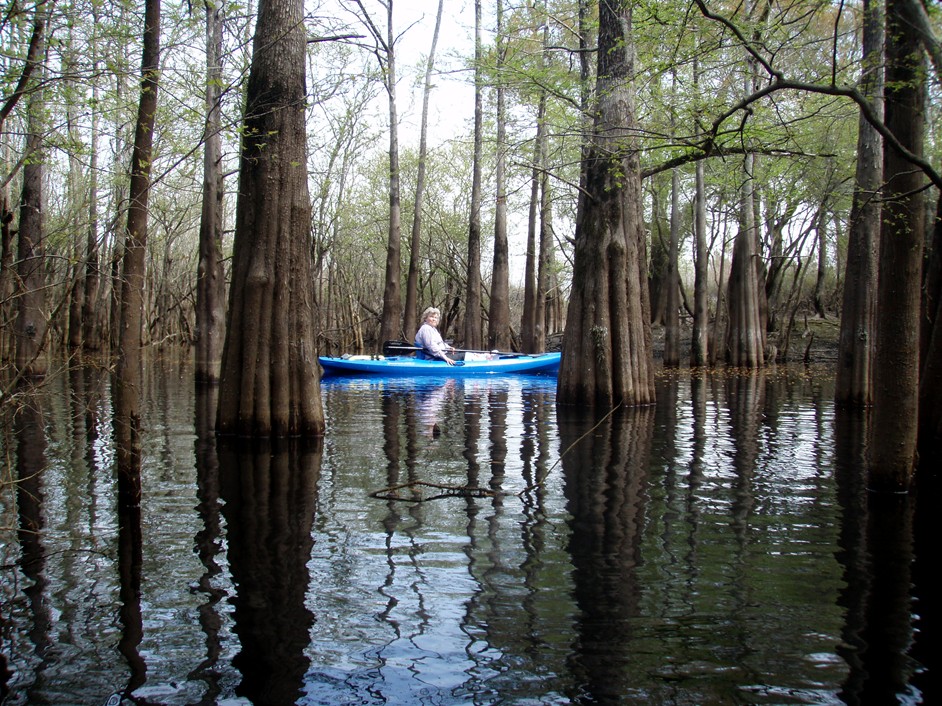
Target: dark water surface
x: 463, y: 542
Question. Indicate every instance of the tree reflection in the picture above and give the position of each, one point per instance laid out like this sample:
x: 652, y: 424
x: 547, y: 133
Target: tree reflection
x: 208, y: 541
x: 270, y: 494
x: 876, y: 552
x: 30, y: 464
x: 127, y: 433
x: 605, y: 467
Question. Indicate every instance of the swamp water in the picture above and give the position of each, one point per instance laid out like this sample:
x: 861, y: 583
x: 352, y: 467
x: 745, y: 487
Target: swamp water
x: 462, y: 542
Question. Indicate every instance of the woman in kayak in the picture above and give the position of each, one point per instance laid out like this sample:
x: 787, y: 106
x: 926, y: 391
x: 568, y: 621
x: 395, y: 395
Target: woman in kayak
x: 429, y: 340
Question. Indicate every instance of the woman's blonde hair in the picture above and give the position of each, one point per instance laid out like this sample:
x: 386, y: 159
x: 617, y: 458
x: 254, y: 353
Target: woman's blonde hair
x: 429, y: 311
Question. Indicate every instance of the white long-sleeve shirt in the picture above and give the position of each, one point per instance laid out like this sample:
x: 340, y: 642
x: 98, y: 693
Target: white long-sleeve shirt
x: 430, y: 341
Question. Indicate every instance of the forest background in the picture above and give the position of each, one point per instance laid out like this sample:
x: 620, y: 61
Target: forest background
x: 711, y: 122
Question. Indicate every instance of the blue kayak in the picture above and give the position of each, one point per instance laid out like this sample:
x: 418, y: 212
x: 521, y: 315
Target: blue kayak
x: 407, y: 366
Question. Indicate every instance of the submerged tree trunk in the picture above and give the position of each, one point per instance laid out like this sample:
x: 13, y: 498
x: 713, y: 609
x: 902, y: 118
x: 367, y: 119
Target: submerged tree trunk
x: 210, y: 282
x: 498, y: 317
x: 896, y: 357
x: 411, y: 315
x: 854, y: 379
x: 607, y: 354
x: 472, y: 314
x: 269, y: 384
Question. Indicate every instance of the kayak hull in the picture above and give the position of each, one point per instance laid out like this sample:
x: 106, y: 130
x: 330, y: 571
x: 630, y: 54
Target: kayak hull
x: 406, y: 366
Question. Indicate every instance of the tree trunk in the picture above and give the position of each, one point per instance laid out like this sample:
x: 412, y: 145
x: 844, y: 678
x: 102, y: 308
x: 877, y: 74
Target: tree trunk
x: 930, y: 380
x: 699, y: 350
x: 127, y: 385
x: 531, y: 322
x: 411, y: 314
x: 745, y: 334
x: 31, y: 266
x: 531, y: 268
x: 210, y: 278
x: 8, y: 285
x: 91, y: 328
x: 545, y: 255
x: 391, y: 322
x: 820, y: 305
x: 76, y: 274
x: 269, y: 384
x: 854, y: 379
x: 472, y: 305
x: 607, y: 354
x: 498, y: 318
x: 896, y: 357
x: 672, y: 295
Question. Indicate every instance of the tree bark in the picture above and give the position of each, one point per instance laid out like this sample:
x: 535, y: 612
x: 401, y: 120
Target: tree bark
x: 544, y: 258
x: 699, y: 343
x: 472, y: 311
x: 127, y: 386
x: 391, y: 322
x: 498, y: 317
x: 531, y: 267
x: 34, y: 59
x: 210, y: 278
x: 854, y: 375
x: 91, y: 328
x: 411, y: 315
x: 672, y: 295
x: 269, y: 383
x: 896, y: 357
x: 745, y: 334
x: 820, y: 305
x: 930, y: 379
x: 31, y: 266
x: 607, y: 353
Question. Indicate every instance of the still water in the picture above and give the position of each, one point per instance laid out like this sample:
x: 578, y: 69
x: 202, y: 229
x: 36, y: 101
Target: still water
x: 461, y: 542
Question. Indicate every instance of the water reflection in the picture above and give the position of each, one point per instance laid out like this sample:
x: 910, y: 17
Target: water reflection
x: 208, y: 541
x: 717, y: 548
x: 877, y: 554
x: 31, y: 462
x: 605, y: 465
x: 270, y: 495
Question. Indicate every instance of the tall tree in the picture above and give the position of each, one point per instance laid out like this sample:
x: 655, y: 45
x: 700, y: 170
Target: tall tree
x: 472, y: 313
x: 531, y: 324
x: 210, y: 282
x: 498, y: 317
x: 902, y: 230
x: 269, y: 382
x: 127, y: 390
x: 745, y: 334
x: 32, y: 62
x: 91, y: 329
x: 411, y: 314
x: 854, y: 380
x: 31, y: 266
x: 390, y: 321
x: 607, y: 354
